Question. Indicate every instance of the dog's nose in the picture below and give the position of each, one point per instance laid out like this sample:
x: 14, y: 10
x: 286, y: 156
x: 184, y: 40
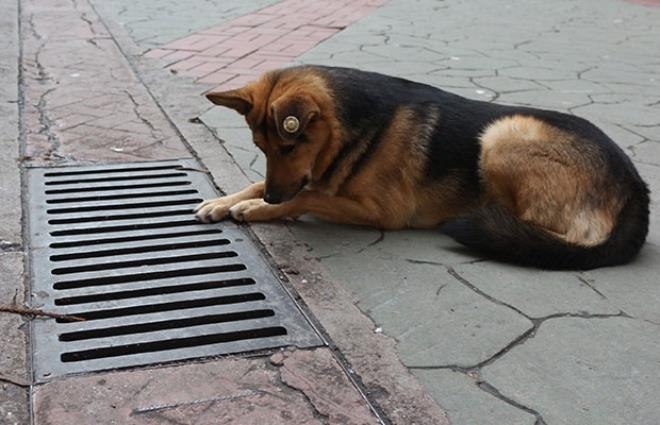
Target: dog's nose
x: 272, y: 197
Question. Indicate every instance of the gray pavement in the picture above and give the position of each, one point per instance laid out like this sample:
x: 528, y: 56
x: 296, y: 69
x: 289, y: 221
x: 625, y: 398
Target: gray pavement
x: 13, y: 355
x: 491, y: 343
x: 497, y: 343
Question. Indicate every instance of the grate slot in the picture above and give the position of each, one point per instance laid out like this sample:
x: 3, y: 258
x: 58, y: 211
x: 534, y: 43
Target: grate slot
x: 111, y: 280
x: 138, y: 250
x: 159, y: 308
x: 119, y: 217
x: 143, y: 262
x: 136, y: 226
x: 112, y: 170
x: 115, y: 178
x: 137, y: 238
x: 159, y: 290
x: 166, y: 324
x: 121, y: 196
x: 114, y: 187
x: 105, y: 207
x: 124, y: 350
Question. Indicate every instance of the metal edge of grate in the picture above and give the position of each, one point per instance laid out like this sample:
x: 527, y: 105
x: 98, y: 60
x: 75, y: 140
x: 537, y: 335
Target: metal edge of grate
x: 118, y: 245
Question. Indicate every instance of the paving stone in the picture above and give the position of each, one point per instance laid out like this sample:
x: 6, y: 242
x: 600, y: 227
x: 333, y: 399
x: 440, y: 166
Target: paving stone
x: 67, y: 74
x: 651, y: 175
x: 435, y: 319
x: 14, y: 407
x: 620, y: 135
x: 585, y: 371
x: 534, y: 292
x: 649, y: 131
x: 507, y: 84
x: 647, y: 152
x: 14, y: 402
x: 537, y: 73
x: 10, y: 188
x: 623, y: 113
x: 546, y: 99
x: 172, y: 19
x: 633, y: 288
x: 245, y: 391
x: 223, y: 119
x: 466, y: 404
x: 553, y: 42
x: 328, y: 239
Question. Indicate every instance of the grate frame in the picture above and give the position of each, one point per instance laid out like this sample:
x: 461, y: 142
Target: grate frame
x: 155, y: 285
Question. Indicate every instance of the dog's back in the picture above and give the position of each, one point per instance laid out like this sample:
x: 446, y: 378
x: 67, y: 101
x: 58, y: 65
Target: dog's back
x: 536, y: 187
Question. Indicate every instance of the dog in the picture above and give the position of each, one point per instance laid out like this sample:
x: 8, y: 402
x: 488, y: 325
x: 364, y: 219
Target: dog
x: 531, y: 186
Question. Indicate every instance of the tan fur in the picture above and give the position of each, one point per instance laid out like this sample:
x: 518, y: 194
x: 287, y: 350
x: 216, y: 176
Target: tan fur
x: 541, y: 175
x: 388, y: 192
x: 535, y: 170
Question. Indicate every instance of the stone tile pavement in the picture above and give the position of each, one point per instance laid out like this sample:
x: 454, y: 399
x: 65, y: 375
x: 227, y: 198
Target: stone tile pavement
x: 495, y: 343
x: 492, y: 343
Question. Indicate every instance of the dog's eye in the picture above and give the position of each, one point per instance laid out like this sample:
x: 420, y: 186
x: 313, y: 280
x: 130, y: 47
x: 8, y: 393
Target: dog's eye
x: 286, y: 149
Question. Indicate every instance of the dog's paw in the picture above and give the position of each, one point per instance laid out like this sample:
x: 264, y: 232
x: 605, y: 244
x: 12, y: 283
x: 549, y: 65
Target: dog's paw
x: 213, y: 209
x: 251, y: 210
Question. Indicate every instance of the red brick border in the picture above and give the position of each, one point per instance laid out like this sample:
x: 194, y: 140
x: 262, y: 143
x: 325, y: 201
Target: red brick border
x: 235, y: 52
x: 655, y: 3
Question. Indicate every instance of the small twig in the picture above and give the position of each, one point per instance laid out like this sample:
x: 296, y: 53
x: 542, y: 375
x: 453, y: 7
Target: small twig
x: 25, y: 311
x: 14, y: 381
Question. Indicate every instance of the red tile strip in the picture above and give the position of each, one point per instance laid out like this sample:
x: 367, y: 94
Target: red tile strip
x: 237, y: 51
x: 655, y: 3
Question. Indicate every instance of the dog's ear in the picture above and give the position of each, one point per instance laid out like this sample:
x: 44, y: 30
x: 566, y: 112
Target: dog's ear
x: 292, y: 114
x: 238, y: 100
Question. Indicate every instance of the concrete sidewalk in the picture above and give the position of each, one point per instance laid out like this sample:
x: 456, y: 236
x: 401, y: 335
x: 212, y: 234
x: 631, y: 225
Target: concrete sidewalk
x: 419, y: 330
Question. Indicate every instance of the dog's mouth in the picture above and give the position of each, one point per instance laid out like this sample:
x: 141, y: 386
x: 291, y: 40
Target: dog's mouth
x: 275, y: 197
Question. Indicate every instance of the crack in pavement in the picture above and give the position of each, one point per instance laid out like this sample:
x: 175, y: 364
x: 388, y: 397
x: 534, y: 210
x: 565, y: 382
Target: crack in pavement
x: 590, y: 284
x: 136, y: 110
x: 485, y: 386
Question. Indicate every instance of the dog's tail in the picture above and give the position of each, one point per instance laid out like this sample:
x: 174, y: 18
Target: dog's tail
x: 499, y: 234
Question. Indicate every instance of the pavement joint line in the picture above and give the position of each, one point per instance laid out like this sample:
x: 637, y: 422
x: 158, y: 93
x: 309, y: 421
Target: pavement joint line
x: 488, y: 388
x: 490, y: 298
x: 590, y: 284
x: 521, y: 339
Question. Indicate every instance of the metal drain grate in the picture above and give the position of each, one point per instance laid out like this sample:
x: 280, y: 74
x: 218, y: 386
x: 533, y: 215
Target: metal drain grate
x: 118, y: 246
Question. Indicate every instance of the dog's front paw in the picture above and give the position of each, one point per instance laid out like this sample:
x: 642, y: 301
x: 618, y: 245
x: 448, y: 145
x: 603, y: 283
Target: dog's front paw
x: 252, y: 210
x: 213, y: 209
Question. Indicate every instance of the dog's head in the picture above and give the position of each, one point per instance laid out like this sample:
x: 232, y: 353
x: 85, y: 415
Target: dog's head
x: 289, y: 113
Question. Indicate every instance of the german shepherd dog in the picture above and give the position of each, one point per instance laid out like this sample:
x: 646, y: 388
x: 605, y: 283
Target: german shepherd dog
x: 535, y: 187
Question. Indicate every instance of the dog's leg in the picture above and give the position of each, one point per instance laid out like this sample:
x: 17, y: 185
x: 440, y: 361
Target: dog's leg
x: 217, y: 209
x: 326, y: 207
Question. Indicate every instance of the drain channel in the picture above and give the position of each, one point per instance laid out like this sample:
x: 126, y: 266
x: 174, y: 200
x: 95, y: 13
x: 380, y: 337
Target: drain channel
x: 117, y: 245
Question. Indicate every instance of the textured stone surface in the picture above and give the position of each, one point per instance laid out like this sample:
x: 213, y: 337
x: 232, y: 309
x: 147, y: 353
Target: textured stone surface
x: 467, y: 404
x: 633, y: 289
x: 589, y: 58
x: 153, y: 23
x: 585, y: 371
x: 10, y: 208
x: 83, y: 102
x: 435, y: 319
x: 14, y: 407
x: 249, y: 392
x: 547, y: 59
x: 537, y: 293
x: 14, y: 379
